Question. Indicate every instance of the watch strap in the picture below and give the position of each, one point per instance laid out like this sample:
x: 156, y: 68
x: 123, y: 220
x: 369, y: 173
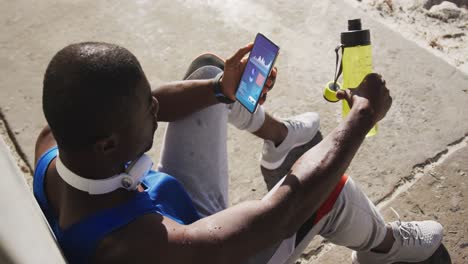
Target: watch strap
x: 218, y: 91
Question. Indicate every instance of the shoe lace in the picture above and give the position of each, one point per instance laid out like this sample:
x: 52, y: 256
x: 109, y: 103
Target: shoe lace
x: 409, y: 232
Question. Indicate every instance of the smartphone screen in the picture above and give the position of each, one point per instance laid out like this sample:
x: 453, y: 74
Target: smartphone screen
x: 259, y: 65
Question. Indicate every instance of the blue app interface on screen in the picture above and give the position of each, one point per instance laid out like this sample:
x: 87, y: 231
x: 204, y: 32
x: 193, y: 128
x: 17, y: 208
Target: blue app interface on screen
x: 256, y: 72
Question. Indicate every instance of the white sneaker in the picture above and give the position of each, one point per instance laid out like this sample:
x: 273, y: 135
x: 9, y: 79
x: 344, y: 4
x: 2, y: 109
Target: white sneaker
x: 414, y: 242
x: 301, y: 129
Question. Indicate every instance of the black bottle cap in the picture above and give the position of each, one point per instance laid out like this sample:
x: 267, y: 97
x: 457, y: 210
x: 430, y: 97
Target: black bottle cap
x: 355, y: 36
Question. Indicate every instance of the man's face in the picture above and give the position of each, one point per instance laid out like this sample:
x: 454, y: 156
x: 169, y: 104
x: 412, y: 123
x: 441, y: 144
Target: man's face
x: 137, y: 137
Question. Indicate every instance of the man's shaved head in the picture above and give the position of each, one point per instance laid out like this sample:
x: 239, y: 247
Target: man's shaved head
x: 90, y: 90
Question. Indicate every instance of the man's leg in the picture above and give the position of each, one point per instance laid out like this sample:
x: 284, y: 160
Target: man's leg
x: 195, y: 151
x: 207, y: 59
x: 195, y: 148
x: 348, y: 218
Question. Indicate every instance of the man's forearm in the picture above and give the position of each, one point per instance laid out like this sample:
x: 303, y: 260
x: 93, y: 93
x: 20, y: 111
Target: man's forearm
x: 316, y: 173
x: 179, y: 99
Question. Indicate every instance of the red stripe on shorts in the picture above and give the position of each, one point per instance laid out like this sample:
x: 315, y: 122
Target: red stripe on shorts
x: 326, y: 207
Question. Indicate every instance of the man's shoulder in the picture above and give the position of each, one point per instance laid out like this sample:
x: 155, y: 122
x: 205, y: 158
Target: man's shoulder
x: 44, y: 142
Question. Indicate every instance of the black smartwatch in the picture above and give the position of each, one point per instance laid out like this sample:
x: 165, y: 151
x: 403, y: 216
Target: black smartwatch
x: 217, y: 90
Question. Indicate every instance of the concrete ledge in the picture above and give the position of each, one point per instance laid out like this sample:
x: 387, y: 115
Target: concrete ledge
x: 25, y: 236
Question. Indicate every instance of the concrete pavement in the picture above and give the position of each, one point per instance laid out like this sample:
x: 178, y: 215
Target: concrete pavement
x: 430, y: 98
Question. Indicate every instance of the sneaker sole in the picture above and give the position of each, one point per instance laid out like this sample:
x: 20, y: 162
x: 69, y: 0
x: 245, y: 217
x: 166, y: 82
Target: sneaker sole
x: 441, y: 255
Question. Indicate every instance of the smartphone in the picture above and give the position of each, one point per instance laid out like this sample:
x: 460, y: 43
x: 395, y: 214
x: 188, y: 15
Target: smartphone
x: 259, y: 65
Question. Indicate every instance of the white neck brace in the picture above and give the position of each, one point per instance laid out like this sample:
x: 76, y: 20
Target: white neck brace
x: 128, y: 180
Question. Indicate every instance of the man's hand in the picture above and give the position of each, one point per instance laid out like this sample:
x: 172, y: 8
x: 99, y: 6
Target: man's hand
x: 233, y: 69
x: 371, y: 92
x: 270, y: 82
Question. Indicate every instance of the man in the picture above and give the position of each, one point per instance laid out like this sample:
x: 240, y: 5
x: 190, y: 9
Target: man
x: 102, y: 116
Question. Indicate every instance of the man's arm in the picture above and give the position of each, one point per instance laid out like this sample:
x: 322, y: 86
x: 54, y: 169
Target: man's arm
x: 232, y: 235
x: 179, y: 99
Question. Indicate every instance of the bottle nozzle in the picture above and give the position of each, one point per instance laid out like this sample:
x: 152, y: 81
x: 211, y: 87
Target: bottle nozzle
x: 354, y: 24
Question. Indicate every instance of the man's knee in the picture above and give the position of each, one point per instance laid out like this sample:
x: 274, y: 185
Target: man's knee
x: 206, y: 59
x: 209, y: 59
x: 204, y: 72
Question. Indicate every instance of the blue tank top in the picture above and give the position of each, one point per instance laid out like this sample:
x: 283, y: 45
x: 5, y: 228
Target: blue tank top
x: 164, y: 195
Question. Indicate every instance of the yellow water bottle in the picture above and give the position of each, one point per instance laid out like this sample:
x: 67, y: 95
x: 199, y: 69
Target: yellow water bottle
x: 356, y: 60
x: 355, y: 64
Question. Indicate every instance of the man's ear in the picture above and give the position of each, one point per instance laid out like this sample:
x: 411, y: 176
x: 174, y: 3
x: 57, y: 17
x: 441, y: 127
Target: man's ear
x: 106, y: 145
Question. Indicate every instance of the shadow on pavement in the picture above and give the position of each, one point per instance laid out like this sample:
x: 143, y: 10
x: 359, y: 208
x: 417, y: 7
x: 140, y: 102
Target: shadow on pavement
x: 441, y: 256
